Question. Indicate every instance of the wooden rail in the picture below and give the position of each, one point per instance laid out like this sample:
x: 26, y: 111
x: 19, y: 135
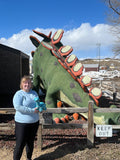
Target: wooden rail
x: 46, y: 121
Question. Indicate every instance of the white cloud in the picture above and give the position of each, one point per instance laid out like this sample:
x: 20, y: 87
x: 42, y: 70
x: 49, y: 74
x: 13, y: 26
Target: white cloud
x: 86, y: 37
x: 83, y: 38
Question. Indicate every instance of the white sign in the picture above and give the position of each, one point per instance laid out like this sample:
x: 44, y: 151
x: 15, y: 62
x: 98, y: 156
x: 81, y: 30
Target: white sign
x: 103, y: 130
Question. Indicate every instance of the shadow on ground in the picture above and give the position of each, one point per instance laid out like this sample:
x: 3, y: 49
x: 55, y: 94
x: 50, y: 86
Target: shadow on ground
x: 70, y: 145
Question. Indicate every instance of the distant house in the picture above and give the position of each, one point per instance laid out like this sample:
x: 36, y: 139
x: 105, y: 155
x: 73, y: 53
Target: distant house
x: 13, y: 65
x: 104, y: 67
x: 91, y: 67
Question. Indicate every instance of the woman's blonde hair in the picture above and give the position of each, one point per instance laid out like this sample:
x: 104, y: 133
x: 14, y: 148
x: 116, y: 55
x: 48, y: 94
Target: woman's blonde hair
x: 23, y: 79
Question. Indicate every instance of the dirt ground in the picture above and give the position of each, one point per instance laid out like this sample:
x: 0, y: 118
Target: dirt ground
x: 103, y: 151
x: 67, y: 144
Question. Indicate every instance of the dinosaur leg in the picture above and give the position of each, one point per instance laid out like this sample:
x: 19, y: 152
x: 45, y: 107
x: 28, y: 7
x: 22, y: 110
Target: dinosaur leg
x: 51, y: 102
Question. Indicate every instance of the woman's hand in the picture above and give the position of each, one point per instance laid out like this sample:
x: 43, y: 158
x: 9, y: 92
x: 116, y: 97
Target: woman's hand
x: 36, y: 110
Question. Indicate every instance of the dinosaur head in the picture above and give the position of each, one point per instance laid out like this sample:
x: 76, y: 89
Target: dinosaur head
x: 52, y: 44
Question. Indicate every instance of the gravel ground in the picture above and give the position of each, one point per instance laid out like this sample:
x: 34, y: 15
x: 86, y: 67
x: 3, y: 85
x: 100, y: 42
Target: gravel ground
x: 67, y: 144
x: 59, y: 146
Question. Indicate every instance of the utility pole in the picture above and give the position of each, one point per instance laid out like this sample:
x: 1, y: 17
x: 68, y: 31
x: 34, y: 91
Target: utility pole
x: 98, y: 45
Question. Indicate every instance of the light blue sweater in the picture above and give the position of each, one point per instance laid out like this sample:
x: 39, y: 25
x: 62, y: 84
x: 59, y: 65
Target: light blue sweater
x: 24, y: 105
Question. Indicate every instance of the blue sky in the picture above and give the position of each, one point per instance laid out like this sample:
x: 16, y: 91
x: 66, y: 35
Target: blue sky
x: 83, y: 18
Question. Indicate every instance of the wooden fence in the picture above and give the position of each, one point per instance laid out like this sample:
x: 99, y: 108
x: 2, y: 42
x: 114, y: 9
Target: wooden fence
x: 47, y: 123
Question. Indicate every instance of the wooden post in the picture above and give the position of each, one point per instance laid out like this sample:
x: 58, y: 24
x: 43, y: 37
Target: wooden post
x: 90, y: 133
x: 114, y: 92
x: 45, y: 118
x: 39, y: 137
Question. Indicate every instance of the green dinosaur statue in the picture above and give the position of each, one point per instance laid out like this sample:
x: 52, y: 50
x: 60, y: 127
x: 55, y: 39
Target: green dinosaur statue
x: 60, y: 75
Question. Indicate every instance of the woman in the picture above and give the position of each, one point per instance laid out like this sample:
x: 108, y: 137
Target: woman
x: 26, y: 118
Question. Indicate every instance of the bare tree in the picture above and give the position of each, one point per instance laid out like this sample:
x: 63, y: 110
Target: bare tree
x: 114, y: 20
